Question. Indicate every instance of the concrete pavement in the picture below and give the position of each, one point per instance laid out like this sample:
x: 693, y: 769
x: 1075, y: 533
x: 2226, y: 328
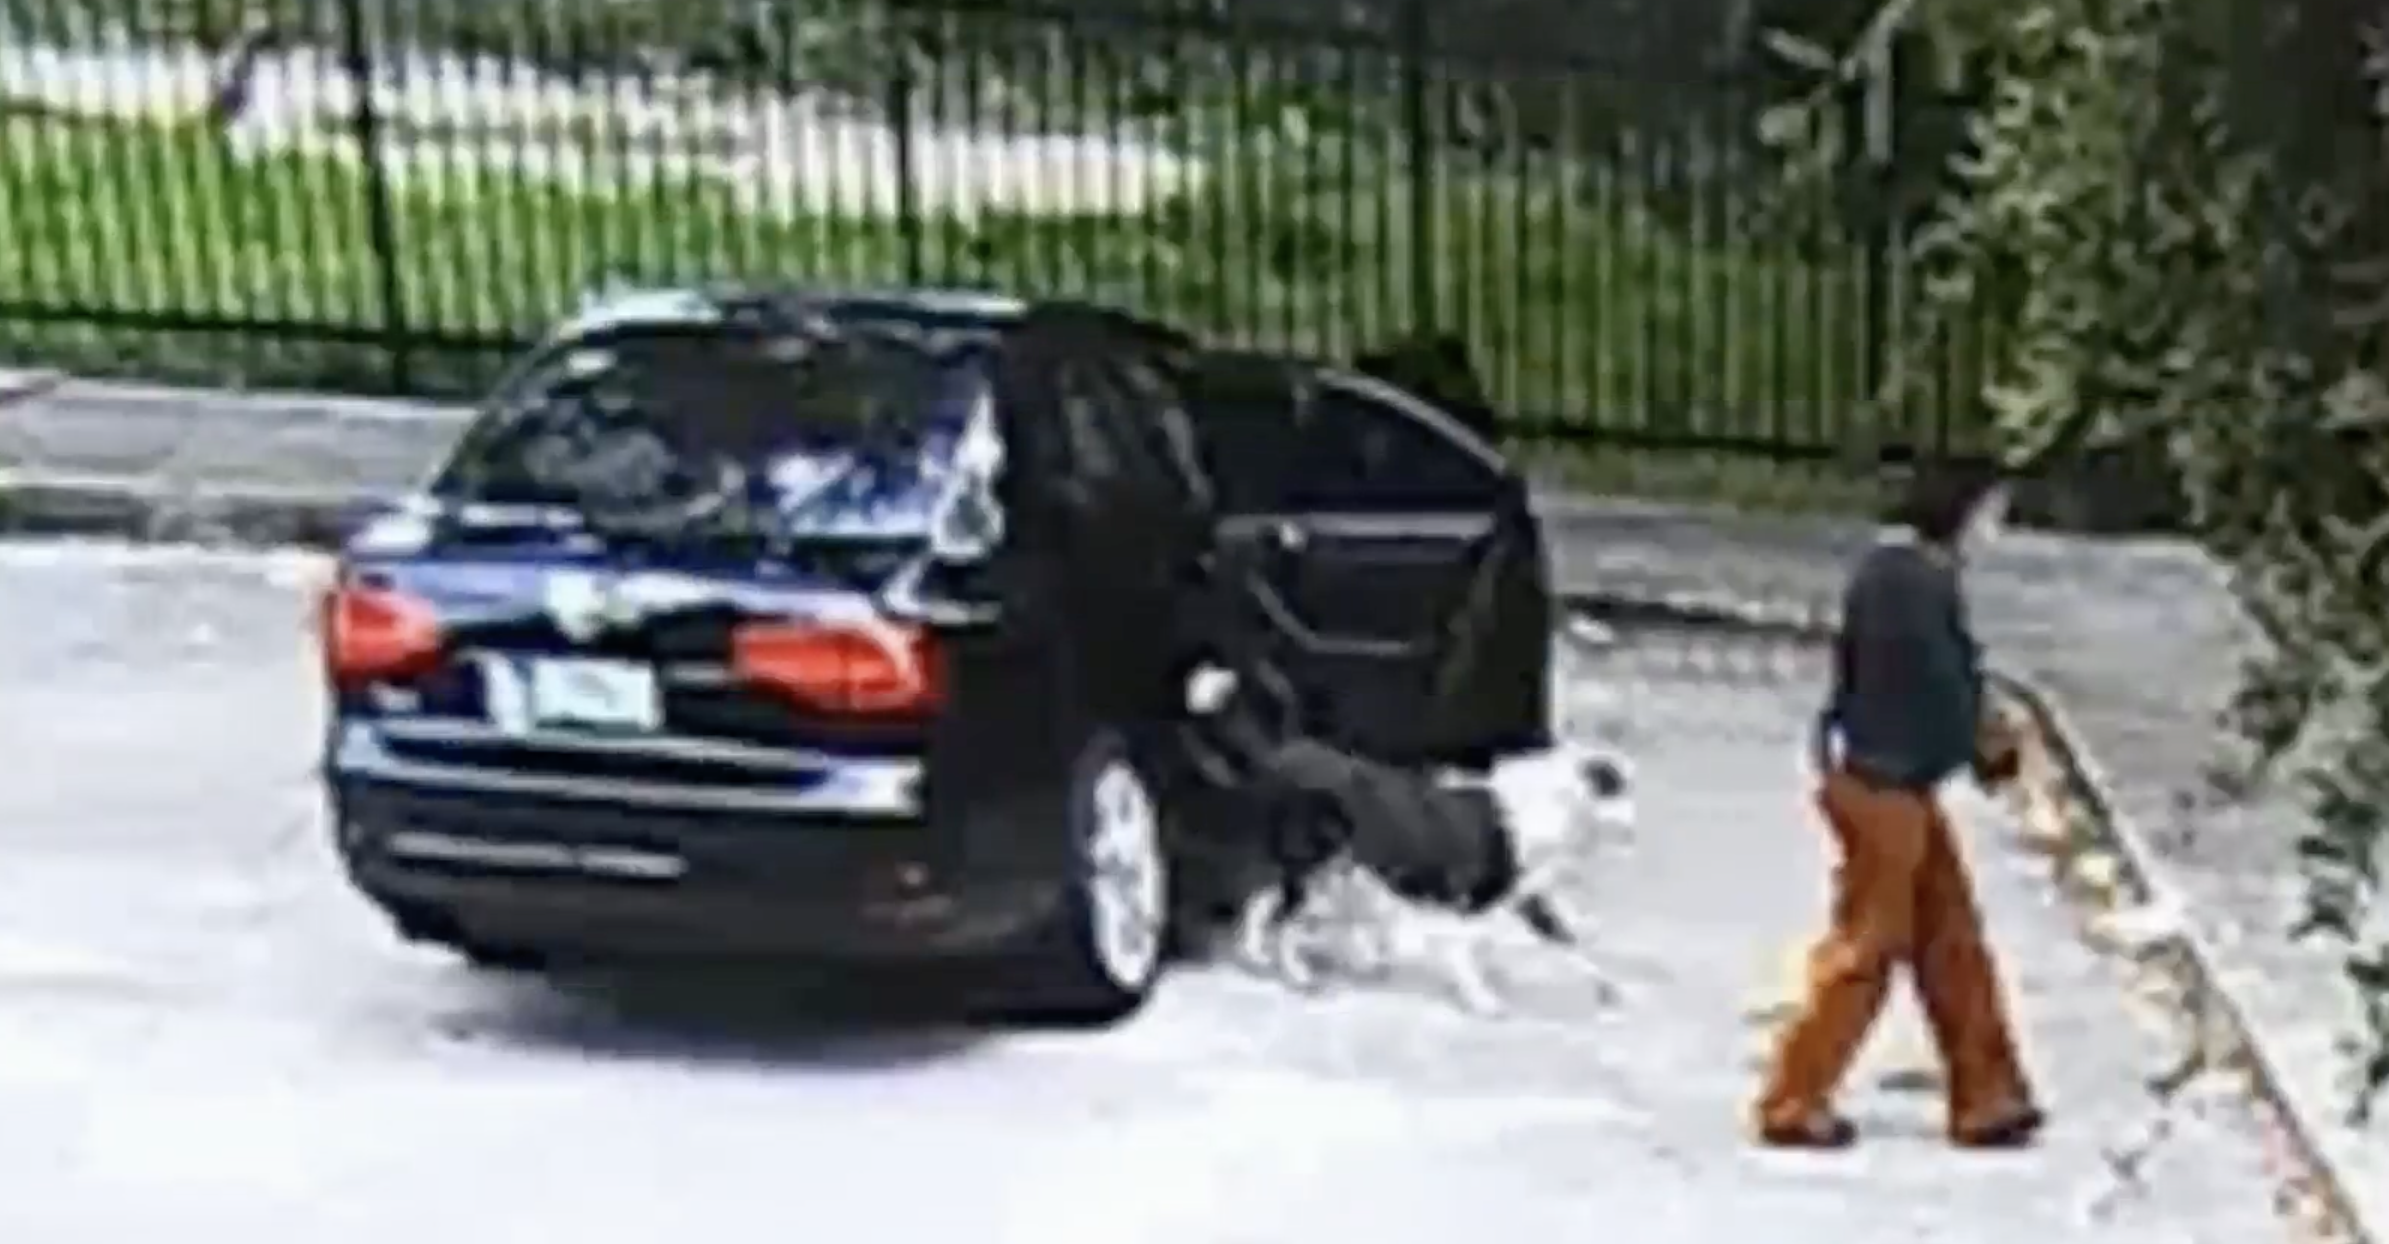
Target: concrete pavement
x: 209, y: 1038
x: 2137, y: 638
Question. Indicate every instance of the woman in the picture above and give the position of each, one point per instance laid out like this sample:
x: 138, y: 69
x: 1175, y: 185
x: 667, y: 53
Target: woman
x: 1906, y: 713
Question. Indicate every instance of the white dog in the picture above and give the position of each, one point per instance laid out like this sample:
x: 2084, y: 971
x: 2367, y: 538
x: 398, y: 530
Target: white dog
x: 1380, y: 867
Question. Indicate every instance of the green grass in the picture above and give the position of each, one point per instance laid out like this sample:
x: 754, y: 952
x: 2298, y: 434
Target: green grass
x: 1580, y: 306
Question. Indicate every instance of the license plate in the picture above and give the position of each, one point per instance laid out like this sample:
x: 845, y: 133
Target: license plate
x: 579, y: 693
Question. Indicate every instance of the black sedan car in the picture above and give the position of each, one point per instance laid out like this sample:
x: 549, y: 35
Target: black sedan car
x: 850, y: 628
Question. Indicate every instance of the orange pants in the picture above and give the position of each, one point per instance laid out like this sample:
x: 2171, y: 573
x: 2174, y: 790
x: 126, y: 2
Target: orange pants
x: 1901, y: 895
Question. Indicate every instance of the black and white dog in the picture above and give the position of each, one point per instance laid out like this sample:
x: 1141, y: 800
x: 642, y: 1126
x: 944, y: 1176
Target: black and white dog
x: 1376, y: 866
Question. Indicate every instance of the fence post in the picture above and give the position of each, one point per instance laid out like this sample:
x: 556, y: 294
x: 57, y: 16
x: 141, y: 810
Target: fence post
x: 1415, y: 42
x: 903, y: 85
x: 1881, y: 257
x: 1878, y: 119
x: 381, y: 217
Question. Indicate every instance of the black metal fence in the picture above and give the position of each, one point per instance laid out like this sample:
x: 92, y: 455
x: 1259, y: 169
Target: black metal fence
x: 385, y: 195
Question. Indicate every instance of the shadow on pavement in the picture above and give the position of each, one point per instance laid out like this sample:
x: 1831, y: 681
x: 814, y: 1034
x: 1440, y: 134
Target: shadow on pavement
x: 751, y: 1018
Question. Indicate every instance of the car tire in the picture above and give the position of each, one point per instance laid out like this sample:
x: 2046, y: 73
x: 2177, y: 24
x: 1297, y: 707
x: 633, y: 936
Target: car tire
x: 1103, y: 956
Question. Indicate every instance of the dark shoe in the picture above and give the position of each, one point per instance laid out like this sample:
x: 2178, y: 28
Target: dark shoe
x: 1824, y: 1131
x: 2018, y: 1128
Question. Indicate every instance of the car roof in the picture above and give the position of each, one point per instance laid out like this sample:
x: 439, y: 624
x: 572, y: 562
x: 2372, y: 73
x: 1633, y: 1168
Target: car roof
x: 628, y: 308
x: 634, y: 307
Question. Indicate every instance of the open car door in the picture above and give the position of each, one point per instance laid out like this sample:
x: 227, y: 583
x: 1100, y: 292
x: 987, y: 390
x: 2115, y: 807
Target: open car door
x: 1402, y: 569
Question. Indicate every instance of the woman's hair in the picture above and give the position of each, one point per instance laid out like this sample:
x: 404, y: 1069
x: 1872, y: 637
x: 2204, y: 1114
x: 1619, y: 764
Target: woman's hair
x: 1941, y: 495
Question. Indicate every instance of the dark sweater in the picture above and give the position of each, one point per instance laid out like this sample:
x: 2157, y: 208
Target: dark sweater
x: 1907, y: 677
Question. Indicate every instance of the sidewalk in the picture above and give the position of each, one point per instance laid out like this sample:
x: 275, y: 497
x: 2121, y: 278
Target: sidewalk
x: 1727, y: 881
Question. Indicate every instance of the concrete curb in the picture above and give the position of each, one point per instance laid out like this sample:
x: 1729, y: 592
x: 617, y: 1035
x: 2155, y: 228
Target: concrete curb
x: 163, y: 511
x: 18, y: 386
x: 157, y: 508
x: 1788, y: 622
x: 2316, y: 1196
x: 50, y: 503
x: 251, y: 405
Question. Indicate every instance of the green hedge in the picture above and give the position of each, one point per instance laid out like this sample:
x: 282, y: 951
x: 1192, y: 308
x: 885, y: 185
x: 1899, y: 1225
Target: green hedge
x: 1579, y: 307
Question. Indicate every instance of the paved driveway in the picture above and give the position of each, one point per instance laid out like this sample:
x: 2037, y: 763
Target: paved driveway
x: 202, y: 1033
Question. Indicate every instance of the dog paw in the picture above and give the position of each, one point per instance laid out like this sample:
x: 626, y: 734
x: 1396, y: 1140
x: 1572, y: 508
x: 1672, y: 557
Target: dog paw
x: 1299, y: 971
x: 1480, y: 1000
x: 1256, y: 930
x: 1368, y: 953
x: 1473, y: 986
x: 1260, y: 958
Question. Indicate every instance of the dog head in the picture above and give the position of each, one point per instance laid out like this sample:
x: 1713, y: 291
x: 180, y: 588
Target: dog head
x: 1562, y: 802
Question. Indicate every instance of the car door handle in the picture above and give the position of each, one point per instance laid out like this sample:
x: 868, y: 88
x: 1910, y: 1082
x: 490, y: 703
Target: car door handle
x: 1270, y: 533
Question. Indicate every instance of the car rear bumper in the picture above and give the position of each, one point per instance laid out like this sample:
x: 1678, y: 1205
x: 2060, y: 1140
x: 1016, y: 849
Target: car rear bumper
x: 612, y: 868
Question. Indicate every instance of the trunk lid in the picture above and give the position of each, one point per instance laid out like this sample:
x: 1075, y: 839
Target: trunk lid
x: 603, y: 540
x: 570, y: 656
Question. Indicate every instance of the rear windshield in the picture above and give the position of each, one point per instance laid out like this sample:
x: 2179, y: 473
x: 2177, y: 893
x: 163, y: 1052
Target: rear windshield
x: 847, y: 435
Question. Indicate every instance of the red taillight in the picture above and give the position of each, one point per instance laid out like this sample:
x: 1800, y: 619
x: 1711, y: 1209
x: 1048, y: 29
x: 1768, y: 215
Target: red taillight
x: 863, y: 668
x: 376, y: 635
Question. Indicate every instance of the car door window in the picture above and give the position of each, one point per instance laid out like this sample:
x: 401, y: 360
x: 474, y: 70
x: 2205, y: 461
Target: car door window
x: 1086, y: 401
x: 1244, y: 413
x: 1152, y: 385
x: 1359, y: 454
